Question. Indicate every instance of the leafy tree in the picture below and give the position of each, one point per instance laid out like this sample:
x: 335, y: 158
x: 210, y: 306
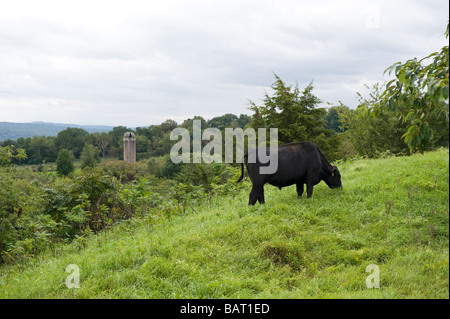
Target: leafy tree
x: 168, y: 125
x: 103, y: 141
x: 143, y: 147
x: 244, y: 120
x: 423, y: 87
x: 64, y: 162
x: 163, y: 146
x: 156, y: 132
x: 144, y: 131
x: 89, y: 156
x: 117, y: 134
x: 370, y: 136
x: 187, y: 124
x: 9, y: 142
x: 8, y: 154
x: 332, y: 119
x: 42, y: 149
x: 72, y: 139
x: 221, y: 122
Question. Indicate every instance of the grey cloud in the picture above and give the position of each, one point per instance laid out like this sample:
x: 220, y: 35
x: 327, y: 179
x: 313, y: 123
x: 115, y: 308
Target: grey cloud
x: 173, y: 59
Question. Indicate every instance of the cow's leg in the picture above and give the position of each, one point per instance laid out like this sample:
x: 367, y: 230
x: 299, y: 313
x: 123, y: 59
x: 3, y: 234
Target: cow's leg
x: 299, y: 189
x: 254, y: 196
x: 309, y: 189
x: 261, y: 195
x: 310, y: 182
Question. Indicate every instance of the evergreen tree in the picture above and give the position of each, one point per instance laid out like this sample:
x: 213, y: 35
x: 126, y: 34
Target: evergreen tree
x: 64, y: 162
x: 295, y: 114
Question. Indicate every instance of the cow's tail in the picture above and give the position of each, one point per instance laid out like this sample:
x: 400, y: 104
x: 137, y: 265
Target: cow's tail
x: 242, y: 173
x: 242, y: 169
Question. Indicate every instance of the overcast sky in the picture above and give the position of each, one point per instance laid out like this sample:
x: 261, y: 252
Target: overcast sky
x: 137, y: 63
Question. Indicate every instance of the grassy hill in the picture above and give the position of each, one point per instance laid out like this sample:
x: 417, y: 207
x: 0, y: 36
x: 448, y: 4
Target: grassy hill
x: 393, y: 213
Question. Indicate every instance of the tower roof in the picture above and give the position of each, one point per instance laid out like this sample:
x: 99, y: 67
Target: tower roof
x: 129, y: 135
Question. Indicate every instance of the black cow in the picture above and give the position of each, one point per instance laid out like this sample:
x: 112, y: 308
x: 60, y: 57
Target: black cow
x: 298, y: 163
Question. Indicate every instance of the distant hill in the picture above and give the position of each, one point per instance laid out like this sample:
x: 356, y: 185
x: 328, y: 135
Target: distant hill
x: 14, y: 131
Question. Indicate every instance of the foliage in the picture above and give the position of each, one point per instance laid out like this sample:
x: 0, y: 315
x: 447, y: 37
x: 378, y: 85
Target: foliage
x: 35, y: 217
x: 17, y: 197
x: 123, y: 171
x: 294, y: 113
x: 208, y: 176
x: 296, y: 116
x: 89, y: 200
x: 72, y: 139
x: 8, y: 211
x: 8, y: 154
x: 41, y: 211
x: 229, y: 120
x: 102, y: 141
x: 371, y: 136
x: 64, y: 162
x: 155, y: 165
x: 170, y: 169
x: 423, y: 89
x: 89, y: 156
x: 333, y: 122
x: 41, y: 149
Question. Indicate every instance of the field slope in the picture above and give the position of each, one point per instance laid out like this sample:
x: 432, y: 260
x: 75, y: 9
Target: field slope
x: 392, y: 213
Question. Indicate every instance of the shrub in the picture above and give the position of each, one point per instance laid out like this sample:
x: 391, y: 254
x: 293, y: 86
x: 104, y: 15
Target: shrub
x: 89, y: 200
x: 89, y: 156
x: 64, y: 162
x: 123, y: 171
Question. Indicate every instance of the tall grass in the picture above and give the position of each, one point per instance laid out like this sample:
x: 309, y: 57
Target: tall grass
x: 391, y: 212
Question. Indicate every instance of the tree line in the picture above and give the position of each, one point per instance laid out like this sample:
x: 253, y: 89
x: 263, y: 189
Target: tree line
x: 340, y: 131
x: 151, y: 141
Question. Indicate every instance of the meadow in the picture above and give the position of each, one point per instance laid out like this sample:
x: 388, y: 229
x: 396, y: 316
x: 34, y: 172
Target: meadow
x: 391, y: 212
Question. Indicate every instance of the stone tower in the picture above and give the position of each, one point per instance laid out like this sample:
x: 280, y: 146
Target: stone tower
x: 129, y: 147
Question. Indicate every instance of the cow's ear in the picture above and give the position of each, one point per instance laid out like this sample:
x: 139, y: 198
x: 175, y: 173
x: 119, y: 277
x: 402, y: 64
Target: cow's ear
x: 333, y: 171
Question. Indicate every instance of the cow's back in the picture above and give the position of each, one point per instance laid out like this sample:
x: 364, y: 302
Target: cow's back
x: 294, y: 160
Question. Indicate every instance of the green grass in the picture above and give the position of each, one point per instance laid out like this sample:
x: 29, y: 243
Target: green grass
x: 392, y: 212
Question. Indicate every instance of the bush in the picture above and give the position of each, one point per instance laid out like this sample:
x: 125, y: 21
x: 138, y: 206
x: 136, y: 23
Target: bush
x: 170, y: 169
x: 123, y: 171
x: 42, y: 211
x: 89, y: 200
x: 155, y: 166
x: 64, y: 162
x: 18, y: 198
x: 206, y: 175
x: 89, y: 156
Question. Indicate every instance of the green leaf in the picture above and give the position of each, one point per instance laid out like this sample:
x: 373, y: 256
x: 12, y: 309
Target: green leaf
x: 392, y: 105
x: 445, y: 93
x: 401, y: 76
x: 409, y: 115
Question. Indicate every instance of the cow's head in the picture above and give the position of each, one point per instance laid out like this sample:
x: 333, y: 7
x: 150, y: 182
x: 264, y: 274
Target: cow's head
x: 333, y: 179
